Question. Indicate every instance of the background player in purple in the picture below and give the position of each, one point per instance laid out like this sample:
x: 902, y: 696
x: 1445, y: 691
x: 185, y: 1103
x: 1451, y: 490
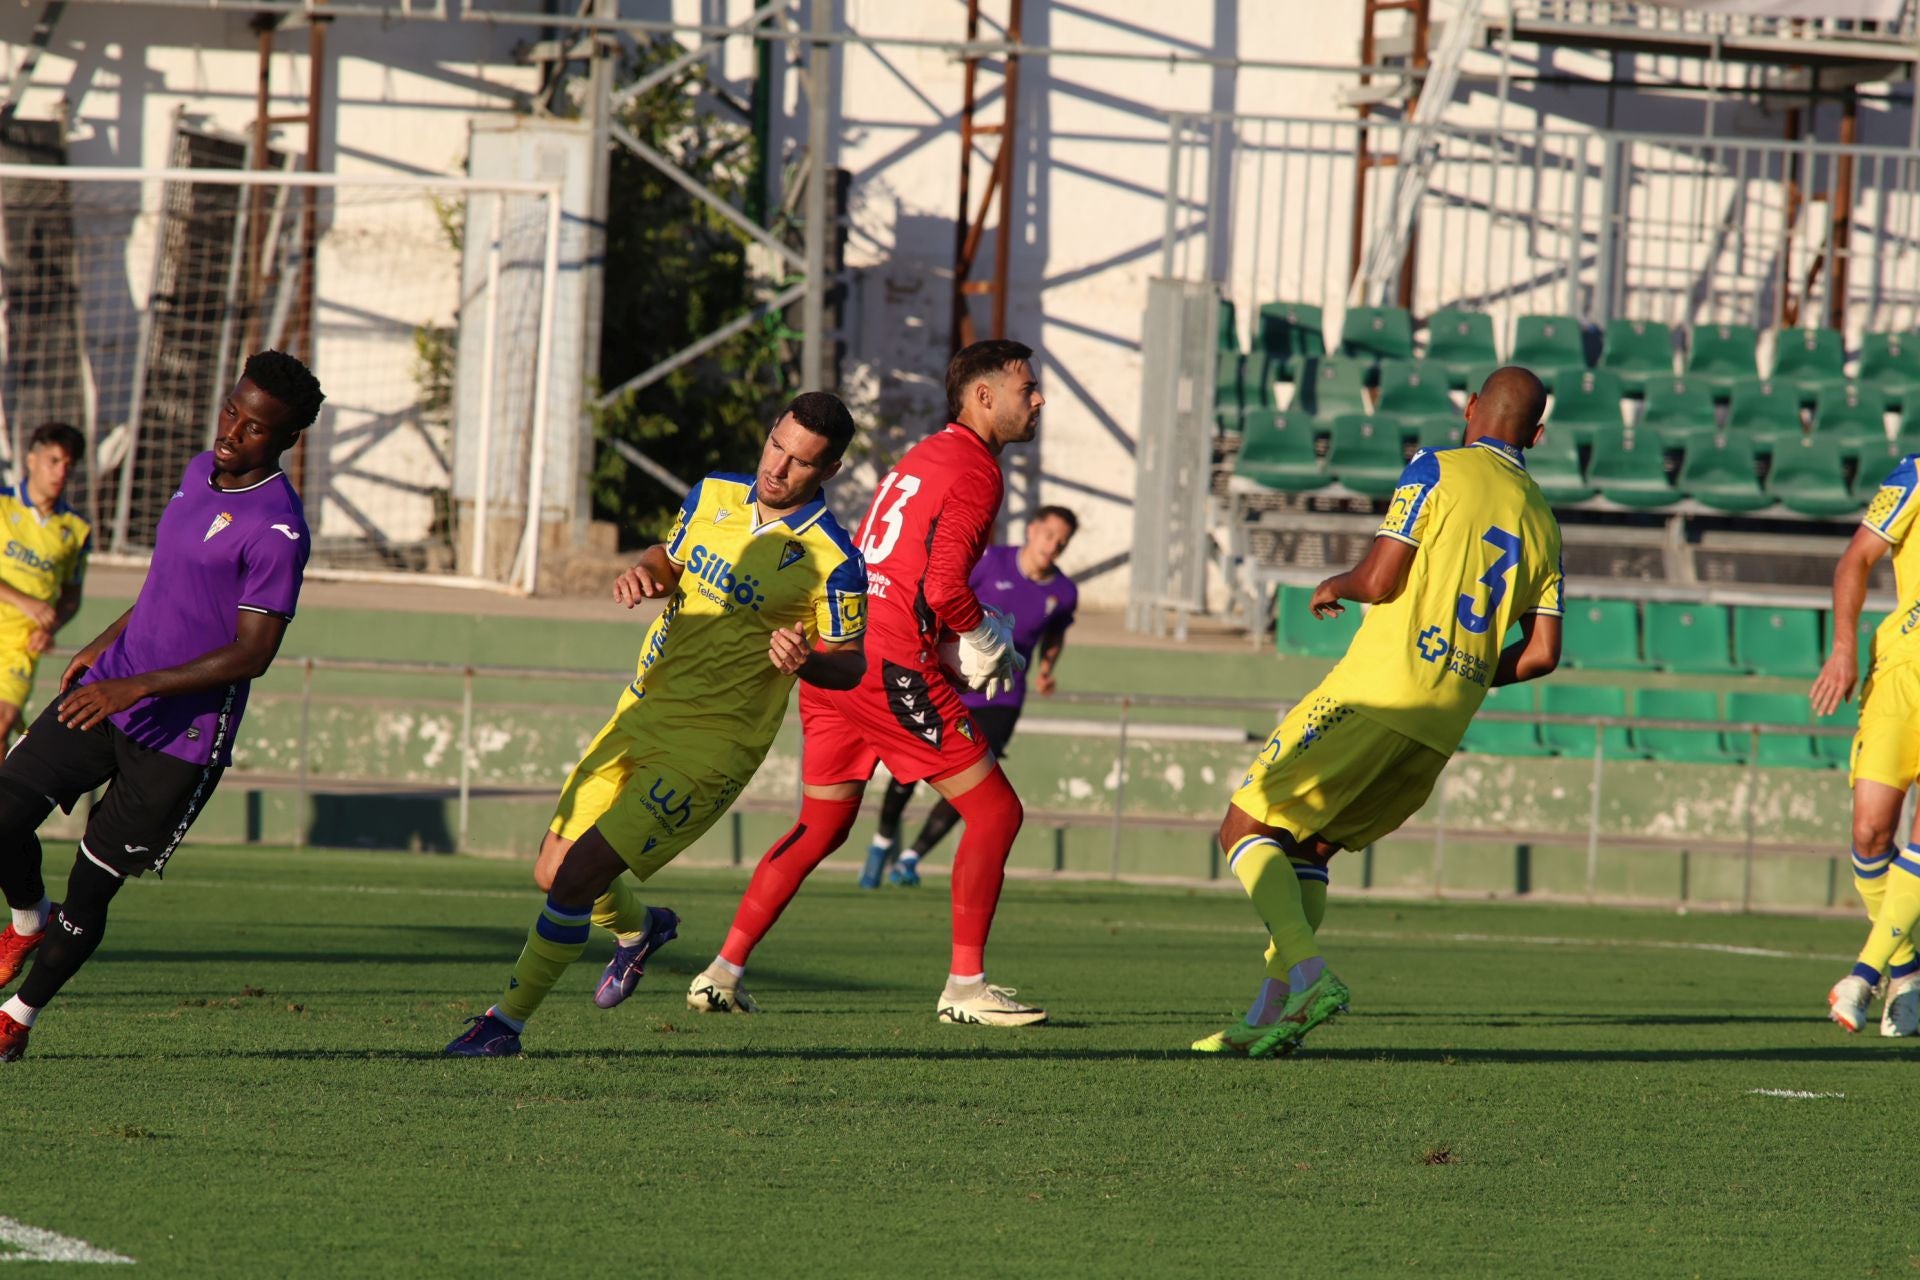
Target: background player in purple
x: 1024, y: 583
x: 150, y: 707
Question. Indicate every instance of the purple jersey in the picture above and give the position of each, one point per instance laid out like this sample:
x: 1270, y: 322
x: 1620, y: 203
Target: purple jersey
x: 217, y: 552
x: 1037, y: 608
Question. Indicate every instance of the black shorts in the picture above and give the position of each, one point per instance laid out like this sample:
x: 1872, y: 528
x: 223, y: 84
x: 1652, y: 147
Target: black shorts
x: 996, y: 725
x: 151, y: 800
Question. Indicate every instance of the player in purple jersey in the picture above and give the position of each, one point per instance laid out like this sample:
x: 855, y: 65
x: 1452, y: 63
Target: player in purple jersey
x: 150, y: 707
x: 1023, y: 583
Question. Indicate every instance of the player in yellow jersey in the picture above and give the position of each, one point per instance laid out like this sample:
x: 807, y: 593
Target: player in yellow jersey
x: 764, y: 586
x: 44, y: 563
x: 1468, y: 550
x: 1886, y: 753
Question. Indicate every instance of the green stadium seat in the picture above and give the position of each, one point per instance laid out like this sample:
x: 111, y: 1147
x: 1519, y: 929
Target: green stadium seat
x: 1683, y: 746
x: 1290, y: 331
x: 1554, y: 464
x: 1809, y: 476
x: 1505, y: 737
x: 1586, y: 401
x: 1777, y: 642
x: 1786, y: 710
x: 1298, y: 633
x: 1227, y: 330
x: 1559, y: 699
x: 1366, y: 456
x: 1721, y: 473
x: 1810, y: 359
x: 1875, y: 461
x: 1462, y: 342
x: 1719, y: 355
x: 1227, y: 406
x: 1853, y: 413
x: 1639, y: 351
x: 1413, y: 394
x: 1277, y: 452
x: 1603, y: 635
x: 1627, y: 468
x: 1687, y: 637
x: 1442, y: 433
x: 1907, y: 437
x: 1835, y: 751
x: 1891, y: 362
x: 1678, y: 411
x: 1327, y: 387
x: 1765, y: 413
x: 1373, y: 334
x: 1550, y: 346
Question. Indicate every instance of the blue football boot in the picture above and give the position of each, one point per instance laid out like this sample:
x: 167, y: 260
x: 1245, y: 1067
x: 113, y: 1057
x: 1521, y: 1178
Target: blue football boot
x: 486, y: 1037
x: 879, y: 854
x: 624, y: 971
x: 906, y: 874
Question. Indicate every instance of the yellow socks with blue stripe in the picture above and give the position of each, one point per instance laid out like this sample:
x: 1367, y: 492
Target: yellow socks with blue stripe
x: 1893, y: 923
x: 1265, y: 871
x: 620, y: 911
x: 555, y: 941
x: 1870, y: 882
x: 1271, y: 998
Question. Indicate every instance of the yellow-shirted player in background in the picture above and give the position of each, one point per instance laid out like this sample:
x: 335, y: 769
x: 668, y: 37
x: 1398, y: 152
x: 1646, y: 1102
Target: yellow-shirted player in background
x: 1468, y: 549
x: 1886, y: 753
x: 765, y: 587
x: 43, y: 565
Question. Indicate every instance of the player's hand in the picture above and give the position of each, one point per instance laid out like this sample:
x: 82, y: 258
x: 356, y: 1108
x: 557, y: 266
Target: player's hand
x: 39, y: 641
x: 1043, y: 681
x: 87, y: 706
x: 81, y: 664
x: 1325, y: 603
x: 637, y: 584
x: 788, y: 650
x: 1834, y: 685
x: 38, y: 612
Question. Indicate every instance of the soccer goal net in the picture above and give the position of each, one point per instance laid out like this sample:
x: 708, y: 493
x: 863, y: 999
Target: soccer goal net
x: 130, y: 299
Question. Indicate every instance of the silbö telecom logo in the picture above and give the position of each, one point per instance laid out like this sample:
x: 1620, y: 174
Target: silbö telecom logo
x: 717, y: 572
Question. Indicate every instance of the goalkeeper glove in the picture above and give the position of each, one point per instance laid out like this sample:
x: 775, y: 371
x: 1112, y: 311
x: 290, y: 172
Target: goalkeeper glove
x: 988, y: 660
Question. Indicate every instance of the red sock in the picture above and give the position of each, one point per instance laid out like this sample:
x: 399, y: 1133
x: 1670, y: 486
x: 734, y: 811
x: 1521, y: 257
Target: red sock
x: 992, y: 814
x: 822, y: 828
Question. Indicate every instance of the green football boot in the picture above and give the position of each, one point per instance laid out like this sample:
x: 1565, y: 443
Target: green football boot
x: 1305, y: 1010
x: 1233, y: 1041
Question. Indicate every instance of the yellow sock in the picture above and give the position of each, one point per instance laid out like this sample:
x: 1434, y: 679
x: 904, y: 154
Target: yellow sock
x: 1313, y: 898
x: 620, y: 910
x: 1899, y: 911
x: 1870, y: 882
x: 555, y: 941
x: 1264, y: 870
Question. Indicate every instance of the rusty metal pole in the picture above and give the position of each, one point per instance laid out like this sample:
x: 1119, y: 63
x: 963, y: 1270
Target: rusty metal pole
x: 1009, y: 125
x: 1422, y: 37
x: 296, y: 468
x: 1789, y: 309
x: 256, y: 197
x: 961, y: 330
x: 1362, y: 158
x: 1842, y: 205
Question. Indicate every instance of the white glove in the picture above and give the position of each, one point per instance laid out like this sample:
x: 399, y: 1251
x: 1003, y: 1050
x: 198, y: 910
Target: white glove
x: 988, y: 660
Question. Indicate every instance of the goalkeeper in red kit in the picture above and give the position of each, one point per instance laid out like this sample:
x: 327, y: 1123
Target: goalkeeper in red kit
x: 930, y: 519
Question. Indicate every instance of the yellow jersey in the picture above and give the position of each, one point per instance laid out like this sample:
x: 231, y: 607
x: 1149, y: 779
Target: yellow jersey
x: 44, y: 554
x: 1891, y: 514
x: 1488, y: 551
x: 704, y: 682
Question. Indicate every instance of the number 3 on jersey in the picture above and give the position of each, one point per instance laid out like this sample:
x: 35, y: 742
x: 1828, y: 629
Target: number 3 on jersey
x: 899, y: 488
x: 1495, y: 580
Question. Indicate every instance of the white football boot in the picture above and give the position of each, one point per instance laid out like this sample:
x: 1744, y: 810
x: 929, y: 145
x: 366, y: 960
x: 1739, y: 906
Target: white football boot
x: 983, y: 1004
x: 714, y: 990
x: 1901, y: 1016
x: 1847, y: 1002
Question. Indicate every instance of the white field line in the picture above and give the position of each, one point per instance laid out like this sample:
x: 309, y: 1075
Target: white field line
x: 1792, y: 1093
x: 35, y: 1244
x: 1369, y: 935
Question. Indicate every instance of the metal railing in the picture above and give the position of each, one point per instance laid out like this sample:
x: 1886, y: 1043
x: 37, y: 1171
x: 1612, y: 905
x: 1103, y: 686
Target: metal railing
x: 1129, y: 722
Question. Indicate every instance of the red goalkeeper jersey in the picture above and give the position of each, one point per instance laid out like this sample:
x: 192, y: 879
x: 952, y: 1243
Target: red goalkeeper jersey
x: 931, y: 518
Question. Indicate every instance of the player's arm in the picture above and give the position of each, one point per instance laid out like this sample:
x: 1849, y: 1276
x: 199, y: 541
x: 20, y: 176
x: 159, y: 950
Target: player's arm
x: 38, y: 612
x: 1841, y: 671
x: 653, y: 575
x: 1536, y: 653
x: 94, y: 648
x: 1379, y: 576
x: 256, y: 640
x: 831, y: 664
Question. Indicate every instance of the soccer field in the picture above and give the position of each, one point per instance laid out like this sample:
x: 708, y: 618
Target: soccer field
x: 247, y: 1081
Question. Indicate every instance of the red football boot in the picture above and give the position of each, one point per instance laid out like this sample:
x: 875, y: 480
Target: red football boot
x: 14, y: 950
x: 13, y: 1039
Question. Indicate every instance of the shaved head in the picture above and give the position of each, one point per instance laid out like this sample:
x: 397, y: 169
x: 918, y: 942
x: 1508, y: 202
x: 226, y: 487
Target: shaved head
x: 1508, y: 407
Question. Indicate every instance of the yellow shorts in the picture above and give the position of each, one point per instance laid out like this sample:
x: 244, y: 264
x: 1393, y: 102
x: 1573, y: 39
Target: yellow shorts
x: 1330, y: 771
x: 1886, y: 747
x: 16, y: 671
x: 647, y: 799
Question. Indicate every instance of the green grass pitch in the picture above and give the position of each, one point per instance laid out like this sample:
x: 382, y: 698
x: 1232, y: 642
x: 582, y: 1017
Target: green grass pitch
x: 246, y: 1081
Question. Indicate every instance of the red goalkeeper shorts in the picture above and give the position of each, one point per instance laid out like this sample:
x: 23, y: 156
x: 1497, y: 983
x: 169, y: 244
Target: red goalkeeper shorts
x: 905, y: 717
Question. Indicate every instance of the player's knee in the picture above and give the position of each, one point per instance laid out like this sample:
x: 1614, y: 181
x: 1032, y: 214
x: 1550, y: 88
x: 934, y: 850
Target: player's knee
x: 90, y: 887
x: 22, y: 810
x: 584, y: 872
x: 9, y: 720
x: 1872, y: 834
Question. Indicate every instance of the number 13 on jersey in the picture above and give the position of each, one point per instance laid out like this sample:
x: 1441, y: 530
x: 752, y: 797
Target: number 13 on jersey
x: 889, y: 512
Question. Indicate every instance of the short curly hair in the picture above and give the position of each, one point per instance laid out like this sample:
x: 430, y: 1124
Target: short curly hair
x: 290, y: 382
